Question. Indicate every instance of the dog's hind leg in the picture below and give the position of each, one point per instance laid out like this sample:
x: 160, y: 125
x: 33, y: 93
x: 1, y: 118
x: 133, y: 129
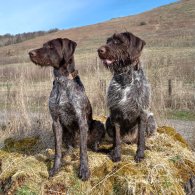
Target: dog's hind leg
x: 96, y: 134
x: 151, y: 125
x: 110, y: 128
x: 57, y: 129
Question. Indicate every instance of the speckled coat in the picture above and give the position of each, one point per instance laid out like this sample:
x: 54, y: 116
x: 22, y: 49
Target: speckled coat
x: 69, y: 106
x: 128, y: 95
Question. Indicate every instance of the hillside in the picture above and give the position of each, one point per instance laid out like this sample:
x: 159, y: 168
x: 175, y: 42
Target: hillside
x: 167, y: 26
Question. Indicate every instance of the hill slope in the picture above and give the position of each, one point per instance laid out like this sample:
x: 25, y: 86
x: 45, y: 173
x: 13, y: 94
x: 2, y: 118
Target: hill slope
x: 171, y: 25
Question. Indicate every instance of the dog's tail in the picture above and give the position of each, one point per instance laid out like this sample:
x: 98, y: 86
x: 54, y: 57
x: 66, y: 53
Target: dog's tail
x: 110, y: 129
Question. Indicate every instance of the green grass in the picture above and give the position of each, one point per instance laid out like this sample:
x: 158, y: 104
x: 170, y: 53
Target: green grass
x: 181, y: 115
x: 25, y: 191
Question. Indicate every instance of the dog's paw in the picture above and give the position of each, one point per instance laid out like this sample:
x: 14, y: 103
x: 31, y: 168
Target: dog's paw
x: 139, y: 156
x: 84, y: 172
x: 52, y: 172
x: 55, y: 168
x: 115, y: 155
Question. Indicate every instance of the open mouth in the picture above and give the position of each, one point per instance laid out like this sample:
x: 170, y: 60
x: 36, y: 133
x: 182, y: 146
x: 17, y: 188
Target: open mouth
x: 105, y: 56
x: 107, y: 61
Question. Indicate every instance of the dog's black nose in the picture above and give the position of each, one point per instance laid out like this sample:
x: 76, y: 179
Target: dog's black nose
x: 102, y: 50
x: 32, y: 53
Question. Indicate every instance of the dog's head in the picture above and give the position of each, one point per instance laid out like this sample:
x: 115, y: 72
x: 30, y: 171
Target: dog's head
x: 57, y: 52
x: 121, y: 49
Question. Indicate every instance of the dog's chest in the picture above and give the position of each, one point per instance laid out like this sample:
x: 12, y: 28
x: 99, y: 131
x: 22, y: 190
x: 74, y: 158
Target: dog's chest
x: 118, y: 95
x: 129, y: 93
x: 58, y: 96
x: 67, y: 99
x: 61, y: 100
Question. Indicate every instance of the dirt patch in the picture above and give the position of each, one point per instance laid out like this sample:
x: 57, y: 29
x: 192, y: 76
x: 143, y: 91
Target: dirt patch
x: 185, y: 128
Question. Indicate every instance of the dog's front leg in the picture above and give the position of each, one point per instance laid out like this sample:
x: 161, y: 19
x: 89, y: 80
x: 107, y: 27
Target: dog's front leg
x: 142, y: 125
x: 84, y: 172
x: 116, y: 152
x: 57, y: 129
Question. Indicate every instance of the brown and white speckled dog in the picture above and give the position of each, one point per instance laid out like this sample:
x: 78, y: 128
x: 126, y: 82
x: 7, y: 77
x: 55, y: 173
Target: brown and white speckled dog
x: 128, y: 95
x: 69, y: 106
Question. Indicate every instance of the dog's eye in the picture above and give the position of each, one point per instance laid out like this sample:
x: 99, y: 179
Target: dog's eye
x: 50, y: 46
x: 116, y: 42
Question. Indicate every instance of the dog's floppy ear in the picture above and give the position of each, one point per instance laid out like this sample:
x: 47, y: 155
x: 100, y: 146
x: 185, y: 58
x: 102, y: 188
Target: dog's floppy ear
x: 139, y: 45
x: 136, y: 46
x: 68, y: 48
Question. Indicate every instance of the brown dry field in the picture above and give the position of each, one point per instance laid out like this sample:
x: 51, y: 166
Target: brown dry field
x: 169, y: 54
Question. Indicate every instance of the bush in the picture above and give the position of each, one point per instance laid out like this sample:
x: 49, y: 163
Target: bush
x: 142, y: 23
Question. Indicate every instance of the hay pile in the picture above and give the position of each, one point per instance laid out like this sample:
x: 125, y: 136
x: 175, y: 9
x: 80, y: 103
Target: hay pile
x: 167, y: 166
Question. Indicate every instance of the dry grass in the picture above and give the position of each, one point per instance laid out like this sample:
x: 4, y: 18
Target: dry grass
x: 23, y: 101
x: 169, y: 54
x: 166, y: 168
x: 25, y: 89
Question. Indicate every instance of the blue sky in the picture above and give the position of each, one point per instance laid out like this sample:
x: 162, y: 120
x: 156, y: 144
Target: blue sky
x: 18, y: 16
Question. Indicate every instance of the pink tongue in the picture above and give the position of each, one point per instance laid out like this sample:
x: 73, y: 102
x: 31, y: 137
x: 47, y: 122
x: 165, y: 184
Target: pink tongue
x: 108, y: 61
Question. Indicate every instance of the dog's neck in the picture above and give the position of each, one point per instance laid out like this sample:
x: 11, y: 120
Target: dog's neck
x: 124, y: 75
x: 66, y: 70
x: 127, y: 69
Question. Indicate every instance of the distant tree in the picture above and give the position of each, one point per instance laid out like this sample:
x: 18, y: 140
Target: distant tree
x: 18, y: 38
x: 9, y: 39
x: 142, y: 23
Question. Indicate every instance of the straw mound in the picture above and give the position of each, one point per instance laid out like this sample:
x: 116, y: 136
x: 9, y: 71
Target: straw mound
x: 167, y: 166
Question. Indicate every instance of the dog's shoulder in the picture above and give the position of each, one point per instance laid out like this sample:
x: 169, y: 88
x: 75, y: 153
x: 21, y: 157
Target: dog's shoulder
x: 78, y: 81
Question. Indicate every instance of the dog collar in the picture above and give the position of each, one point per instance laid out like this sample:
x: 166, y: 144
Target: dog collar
x: 136, y: 64
x: 72, y: 75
